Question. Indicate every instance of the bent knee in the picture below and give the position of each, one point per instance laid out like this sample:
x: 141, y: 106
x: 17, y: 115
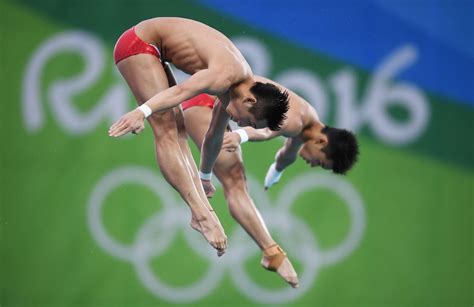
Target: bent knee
x: 164, y: 125
x: 232, y: 179
x: 229, y: 169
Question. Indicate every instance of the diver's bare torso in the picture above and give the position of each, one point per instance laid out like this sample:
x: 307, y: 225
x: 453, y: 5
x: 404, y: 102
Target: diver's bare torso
x: 192, y: 46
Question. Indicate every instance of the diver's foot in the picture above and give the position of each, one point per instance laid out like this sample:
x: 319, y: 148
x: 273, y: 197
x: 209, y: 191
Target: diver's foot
x: 274, y: 259
x: 212, y: 230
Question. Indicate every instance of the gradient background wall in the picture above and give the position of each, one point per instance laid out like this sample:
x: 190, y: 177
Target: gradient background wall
x: 88, y: 221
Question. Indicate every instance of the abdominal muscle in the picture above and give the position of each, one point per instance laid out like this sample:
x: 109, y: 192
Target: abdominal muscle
x: 190, y: 45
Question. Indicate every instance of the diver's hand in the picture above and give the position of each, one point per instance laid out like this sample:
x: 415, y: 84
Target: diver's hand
x: 231, y: 141
x: 208, y: 187
x: 133, y: 121
x: 272, y: 177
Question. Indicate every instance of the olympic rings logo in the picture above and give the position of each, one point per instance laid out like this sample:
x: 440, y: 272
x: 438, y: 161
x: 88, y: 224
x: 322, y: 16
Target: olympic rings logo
x: 159, y: 231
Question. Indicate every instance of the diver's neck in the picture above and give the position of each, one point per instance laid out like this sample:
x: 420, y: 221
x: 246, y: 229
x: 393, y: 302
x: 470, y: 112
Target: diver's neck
x: 312, y: 131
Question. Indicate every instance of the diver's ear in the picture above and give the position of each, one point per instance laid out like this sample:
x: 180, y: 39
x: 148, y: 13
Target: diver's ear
x: 250, y: 101
x: 322, y: 139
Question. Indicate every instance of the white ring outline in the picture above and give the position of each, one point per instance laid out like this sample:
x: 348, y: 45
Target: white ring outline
x: 141, y: 251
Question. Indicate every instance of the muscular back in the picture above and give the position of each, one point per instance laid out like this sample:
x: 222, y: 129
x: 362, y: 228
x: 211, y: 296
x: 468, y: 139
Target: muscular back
x: 192, y: 46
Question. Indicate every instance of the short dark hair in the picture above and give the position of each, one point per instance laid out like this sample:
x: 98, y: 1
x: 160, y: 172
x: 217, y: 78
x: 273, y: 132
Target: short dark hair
x: 272, y: 104
x: 342, y: 149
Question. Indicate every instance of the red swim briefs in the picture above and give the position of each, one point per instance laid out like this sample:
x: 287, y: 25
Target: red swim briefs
x: 130, y: 44
x: 202, y: 100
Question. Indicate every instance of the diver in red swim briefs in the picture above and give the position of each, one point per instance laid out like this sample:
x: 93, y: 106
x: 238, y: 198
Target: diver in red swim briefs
x: 318, y: 144
x: 218, y: 68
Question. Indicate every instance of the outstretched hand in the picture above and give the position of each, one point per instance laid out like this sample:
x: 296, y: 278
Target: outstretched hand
x: 133, y: 121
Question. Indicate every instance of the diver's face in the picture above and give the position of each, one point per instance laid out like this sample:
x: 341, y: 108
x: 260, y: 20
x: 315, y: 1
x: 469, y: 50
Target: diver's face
x: 313, y: 154
x: 239, y: 112
x: 240, y: 104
